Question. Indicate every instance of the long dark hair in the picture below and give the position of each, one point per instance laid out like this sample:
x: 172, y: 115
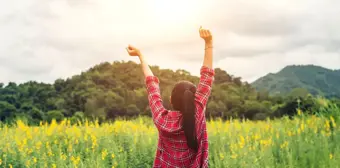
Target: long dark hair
x: 183, y: 100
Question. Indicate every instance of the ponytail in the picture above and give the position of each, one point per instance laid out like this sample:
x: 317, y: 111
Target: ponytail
x: 189, y: 118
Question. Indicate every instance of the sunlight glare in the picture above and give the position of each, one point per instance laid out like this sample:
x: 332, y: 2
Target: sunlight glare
x: 175, y: 11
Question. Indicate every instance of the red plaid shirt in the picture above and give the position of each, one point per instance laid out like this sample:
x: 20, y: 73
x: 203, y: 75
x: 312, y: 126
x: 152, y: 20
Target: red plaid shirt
x: 172, y: 150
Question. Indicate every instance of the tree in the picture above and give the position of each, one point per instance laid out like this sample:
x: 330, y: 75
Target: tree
x: 251, y: 108
x: 260, y: 116
x: 36, y: 115
x: 55, y: 114
x: 216, y: 109
x: 263, y: 95
x: 59, y: 85
x: 11, y: 85
x: 277, y: 99
x: 7, y: 111
x: 237, y: 81
x: 233, y: 101
x: 212, y: 109
x: 78, y: 117
x: 298, y: 93
x: 222, y: 76
x: 132, y: 110
x: 94, y: 109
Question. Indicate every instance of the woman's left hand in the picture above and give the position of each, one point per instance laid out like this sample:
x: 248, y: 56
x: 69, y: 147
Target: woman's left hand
x: 205, y: 35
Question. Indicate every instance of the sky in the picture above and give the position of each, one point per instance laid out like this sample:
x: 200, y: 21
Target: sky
x: 44, y: 40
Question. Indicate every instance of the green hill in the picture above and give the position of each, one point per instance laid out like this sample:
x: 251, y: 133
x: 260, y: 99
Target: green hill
x: 316, y: 79
x: 111, y: 90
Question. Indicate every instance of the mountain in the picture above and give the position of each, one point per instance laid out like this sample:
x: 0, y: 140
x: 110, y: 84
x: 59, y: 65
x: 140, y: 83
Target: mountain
x: 316, y: 79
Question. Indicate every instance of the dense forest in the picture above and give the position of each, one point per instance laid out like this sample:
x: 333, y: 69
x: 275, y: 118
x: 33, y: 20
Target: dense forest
x: 317, y: 80
x: 107, y: 91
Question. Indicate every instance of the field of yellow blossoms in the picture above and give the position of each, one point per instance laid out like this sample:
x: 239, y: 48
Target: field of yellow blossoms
x: 302, y: 142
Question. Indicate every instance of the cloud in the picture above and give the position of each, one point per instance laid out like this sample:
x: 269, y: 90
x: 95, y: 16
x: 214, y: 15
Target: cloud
x: 46, y: 40
x: 255, y: 67
x: 278, y: 25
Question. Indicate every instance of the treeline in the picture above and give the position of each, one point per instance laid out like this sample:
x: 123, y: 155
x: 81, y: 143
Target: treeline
x: 108, y: 91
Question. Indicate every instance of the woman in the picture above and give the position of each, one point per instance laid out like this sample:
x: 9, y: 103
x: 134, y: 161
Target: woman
x: 183, y: 140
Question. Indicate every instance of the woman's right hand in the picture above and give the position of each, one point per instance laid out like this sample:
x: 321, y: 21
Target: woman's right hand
x: 205, y: 35
x: 133, y: 51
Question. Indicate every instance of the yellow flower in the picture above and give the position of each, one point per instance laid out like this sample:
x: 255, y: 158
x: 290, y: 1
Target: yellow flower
x: 85, y: 138
x: 256, y: 137
x: 327, y: 125
x: 22, y: 126
x: 29, y: 151
x: 302, y: 126
x: 299, y: 131
x: 28, y: 163
x: 38, y: 145
x: 69, y: 149
x: 34, y: 160
x: 50, y: 153
x: 299, y: 112
x: 63, y: 156
x: 242, y: 142
x: 94, y: 141
x: 96, y: 124
x: 113, y: 155
x: 285, y: 144
x: 54, y: 165
x: 104, y: 154
x: 330, y: 156
x: 289, y: 133
x: 221, y: 156
x: 0, y: 162
x: 233, y: 156
x: 333, y: 122
x: 10, y: 166
x: 75, y: 160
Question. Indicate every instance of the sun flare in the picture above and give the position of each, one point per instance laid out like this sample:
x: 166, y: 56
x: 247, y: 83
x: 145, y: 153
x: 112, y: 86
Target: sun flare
x: 175, y: 11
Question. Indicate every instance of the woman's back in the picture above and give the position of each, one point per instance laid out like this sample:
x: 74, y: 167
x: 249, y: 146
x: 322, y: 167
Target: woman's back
x: 172, y: 150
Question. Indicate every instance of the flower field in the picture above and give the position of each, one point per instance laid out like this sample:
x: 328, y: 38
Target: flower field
x: 301, y: 142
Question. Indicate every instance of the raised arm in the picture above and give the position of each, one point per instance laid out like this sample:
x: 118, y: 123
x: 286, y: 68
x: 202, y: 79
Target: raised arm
x: 159, y: 113
x: 208, y: 55
x: 207, y: 73
x: 133, y: 51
